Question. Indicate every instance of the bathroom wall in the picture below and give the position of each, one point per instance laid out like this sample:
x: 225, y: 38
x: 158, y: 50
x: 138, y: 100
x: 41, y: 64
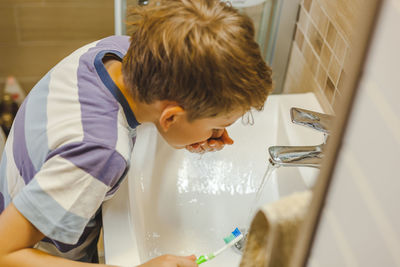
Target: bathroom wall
x: 321, y: 49
x: 36, y: 34
x: 360, y: 222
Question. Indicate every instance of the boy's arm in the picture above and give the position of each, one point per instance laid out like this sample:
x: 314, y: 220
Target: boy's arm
x: 18, y: 236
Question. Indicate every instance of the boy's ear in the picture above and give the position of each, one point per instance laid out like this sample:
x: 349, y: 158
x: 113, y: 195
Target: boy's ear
x: 169, y: 116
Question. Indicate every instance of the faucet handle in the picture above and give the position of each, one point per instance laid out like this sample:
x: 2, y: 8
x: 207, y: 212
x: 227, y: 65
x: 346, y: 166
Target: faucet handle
x: 315, y: 120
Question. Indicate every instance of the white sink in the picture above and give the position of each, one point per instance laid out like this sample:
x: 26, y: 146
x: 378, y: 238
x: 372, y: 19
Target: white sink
x: 181, y: 203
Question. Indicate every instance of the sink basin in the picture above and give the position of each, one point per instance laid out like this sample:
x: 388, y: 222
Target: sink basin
x: 176, y: 202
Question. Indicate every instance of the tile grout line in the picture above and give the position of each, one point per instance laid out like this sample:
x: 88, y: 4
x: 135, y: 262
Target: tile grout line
x: 341, y: 62
x: 334, y: 96
x: 335, y: 24
x: 314, y: 74
x: 324, y: 39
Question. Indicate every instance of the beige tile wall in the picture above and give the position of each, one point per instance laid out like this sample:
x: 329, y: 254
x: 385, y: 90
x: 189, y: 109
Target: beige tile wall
x: 36, y: 34
x: 321, y: 48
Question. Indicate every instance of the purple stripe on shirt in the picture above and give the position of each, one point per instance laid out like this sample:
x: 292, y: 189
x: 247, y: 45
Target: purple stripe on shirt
x: 116, y: 186
x: 99, y: 109
x: 105, y: 164
x: 1, y: 201
x: 20, y: 151
x: 117, y: 42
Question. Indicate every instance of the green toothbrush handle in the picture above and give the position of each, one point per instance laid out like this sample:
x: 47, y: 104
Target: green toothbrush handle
x: 204, y: 258
x: 201, y: 259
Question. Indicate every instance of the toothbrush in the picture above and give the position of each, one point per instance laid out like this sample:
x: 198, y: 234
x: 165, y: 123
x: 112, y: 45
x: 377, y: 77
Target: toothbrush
x: 230, y: 240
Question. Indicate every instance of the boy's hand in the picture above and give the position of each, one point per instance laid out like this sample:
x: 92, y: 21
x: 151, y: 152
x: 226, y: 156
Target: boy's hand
x: 171, y: 261
x: 216, y: 142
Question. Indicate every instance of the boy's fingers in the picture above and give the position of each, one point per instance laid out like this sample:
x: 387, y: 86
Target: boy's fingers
x: 194, y: 148
x: 226, y: 139
x: 186, y: 261
x: 189, y: 148
x: 212, y: 144
x: 215, y: 144
x: 172, y: 261
x: 191, y: 257
x: 205, y: 146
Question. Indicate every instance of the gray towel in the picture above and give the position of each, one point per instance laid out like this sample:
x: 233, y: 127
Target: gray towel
x: 273, y: 232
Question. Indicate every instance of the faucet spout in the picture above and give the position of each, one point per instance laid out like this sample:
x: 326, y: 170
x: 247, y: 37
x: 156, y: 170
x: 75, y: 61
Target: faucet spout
x: 296, y: 156
x: 303, y: 156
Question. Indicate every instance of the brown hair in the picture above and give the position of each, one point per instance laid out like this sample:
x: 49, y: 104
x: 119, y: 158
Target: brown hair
x: 199, y: 53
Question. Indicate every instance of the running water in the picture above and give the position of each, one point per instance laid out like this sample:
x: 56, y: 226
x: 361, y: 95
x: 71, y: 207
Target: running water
x: 266, y: 178
x: 239, y: 246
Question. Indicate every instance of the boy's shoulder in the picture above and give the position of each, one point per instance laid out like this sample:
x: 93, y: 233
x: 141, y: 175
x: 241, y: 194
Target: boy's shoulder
x: 73, y: 104
x: 119, y: 42
x: 112, y: 44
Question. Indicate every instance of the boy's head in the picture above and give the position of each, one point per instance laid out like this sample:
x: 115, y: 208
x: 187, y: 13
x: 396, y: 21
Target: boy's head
x: 200, y: 54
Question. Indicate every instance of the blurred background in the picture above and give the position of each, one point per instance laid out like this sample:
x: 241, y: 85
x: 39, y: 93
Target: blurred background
x: 37, y: 34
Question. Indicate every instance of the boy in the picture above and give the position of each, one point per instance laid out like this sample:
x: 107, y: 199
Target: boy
x: 191, y: 67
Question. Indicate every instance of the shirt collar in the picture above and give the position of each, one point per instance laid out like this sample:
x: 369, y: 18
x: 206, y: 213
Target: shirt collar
x: 113, y: 88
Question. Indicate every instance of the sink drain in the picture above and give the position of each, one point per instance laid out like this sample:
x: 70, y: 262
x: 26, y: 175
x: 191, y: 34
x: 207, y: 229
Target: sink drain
x: 239, y: 246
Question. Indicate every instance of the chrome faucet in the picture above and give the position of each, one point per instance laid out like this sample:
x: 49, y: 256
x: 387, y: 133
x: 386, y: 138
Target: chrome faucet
x: 303, y: 156
x: 298, y: 156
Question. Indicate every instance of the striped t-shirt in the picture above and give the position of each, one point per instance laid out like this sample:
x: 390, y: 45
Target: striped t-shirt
x: 69, y: 149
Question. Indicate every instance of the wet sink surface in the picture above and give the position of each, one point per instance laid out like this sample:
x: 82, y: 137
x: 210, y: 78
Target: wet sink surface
x: 181, y: 203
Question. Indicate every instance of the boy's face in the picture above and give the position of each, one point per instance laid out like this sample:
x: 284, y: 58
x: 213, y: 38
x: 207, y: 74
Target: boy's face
x: 182, y: 133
